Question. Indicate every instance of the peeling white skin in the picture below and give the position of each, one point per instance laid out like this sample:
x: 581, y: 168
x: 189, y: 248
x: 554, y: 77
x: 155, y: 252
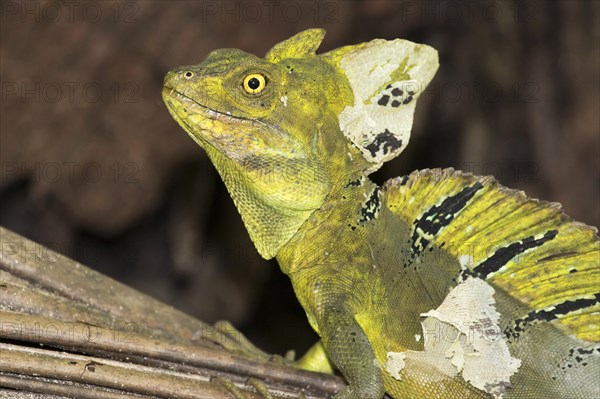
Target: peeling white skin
x: 456, y: 354
x: 465, y: 261
x: 368, y: 70
x: 395, y: 364
x: 462, y: 336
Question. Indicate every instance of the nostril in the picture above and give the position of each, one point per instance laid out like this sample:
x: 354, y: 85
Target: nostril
x: 168, y: 80
x: 188, y: 74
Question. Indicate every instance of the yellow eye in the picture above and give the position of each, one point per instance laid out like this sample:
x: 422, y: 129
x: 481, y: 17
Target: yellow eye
x: 254, y: 83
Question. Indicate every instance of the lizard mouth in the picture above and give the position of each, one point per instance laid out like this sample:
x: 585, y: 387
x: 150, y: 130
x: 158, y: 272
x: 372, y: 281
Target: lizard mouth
x: 182, y: 108
x: 180, y: 103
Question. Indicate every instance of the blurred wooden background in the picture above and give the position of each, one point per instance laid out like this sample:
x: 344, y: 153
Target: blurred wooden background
x: 93, y: 166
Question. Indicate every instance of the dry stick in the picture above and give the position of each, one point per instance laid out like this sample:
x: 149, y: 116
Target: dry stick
x: 49, y: 300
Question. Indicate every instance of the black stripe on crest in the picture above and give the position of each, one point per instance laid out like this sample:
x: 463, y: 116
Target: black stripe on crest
x: 503, y: 255
x: 551, y: 313
x: 439, y: 216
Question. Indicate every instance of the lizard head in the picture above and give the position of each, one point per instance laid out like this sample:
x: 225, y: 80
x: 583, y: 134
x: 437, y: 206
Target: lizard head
x: 279, y: 130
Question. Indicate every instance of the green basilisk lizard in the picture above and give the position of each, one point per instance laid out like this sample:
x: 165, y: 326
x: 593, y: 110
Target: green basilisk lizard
x: 437, y: 284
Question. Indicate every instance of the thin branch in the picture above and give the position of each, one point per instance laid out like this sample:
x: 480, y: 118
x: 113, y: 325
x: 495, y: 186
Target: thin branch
x: 68, y: 330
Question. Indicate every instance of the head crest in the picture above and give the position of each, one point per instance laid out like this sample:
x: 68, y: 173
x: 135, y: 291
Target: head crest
x: 300, y: 45
x: 386, y: 77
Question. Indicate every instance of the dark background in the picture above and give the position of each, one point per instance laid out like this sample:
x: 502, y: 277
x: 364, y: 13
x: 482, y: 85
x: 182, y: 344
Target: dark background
x: 94, y: 167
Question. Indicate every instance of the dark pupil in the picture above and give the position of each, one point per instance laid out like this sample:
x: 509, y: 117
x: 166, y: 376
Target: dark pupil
x: 254, y: 83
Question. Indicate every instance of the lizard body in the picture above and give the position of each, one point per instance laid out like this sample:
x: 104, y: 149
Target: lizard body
x: 437, y: 284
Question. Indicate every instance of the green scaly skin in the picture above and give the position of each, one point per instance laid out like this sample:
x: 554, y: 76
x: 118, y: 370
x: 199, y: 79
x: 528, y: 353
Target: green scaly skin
x: 364, y: 264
